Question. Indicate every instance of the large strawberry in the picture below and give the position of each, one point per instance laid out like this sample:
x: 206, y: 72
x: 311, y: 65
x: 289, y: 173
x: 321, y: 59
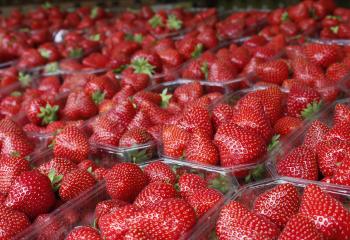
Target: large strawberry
x: 195, y: 118
x: 188, y: 92
x: 278, y: 204
x: 108, y: 206
x: 170, y: 219
x: 237, y: 145
x: 301, y: 162
x: 41, y: 112
x: 273, y: 71
x: 60, y: 166
x: 159, y: 171
x: 300, y: 227
x: 124, y: 181
x: 31, y: 193
x: 84, y: 232
x: 322, y: 54
x: 203, y: 200
x: 331, y: 218
x: 12, y: 222
x: 75, y: 183
x: 316, y: 133
x: 135, y: 136
x: 79, y: 105
x: 71, y: 143
x: 174, y: 140
x: 235, y: 221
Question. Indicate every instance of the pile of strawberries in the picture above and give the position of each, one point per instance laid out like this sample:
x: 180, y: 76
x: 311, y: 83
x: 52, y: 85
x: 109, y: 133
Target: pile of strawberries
x: 90, y: 97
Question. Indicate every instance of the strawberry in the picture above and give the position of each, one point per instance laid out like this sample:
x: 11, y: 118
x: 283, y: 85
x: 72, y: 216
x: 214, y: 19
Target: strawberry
x: 114, y: 225
x: 159, y: 171
x: 124, y: 93
x: 305, y: 71
x: 287, y: 125
x: 222, y: 71
x: 75, y: 183
x: 331, y: 154
x: 101, y: 85
x: 79, y: 105
x: 170, y: 57
x: 11, y: 105
x: 139, y: 77
x: 136, y: 234
x: 188, y: 92
x: 203, y: 200
x: 194, y: 70
x: 190, y: 183
x: 160, y: 224
x: 303, y: 101
x: 140, y: 121
x: 60, y: 166
x: 341, y: 174
x: 341, y: 114
x: 12, y: 222
x: 240, y: 57
x: 330, y: 217
x: 189, y: 47
x: 106, y: 131
x: 237, y: 145
x: 221, y: 114
x: 196, y: 117
x: 107, y: 206
x: 153, y: 97
x: 336, y: 72
x: 321, y: 54
x: 72, y: 144
x: 300, y: 227
x: 41, y: 112
x: 124, y: 181
x: 31, y: 193
x: 88, y: 165
x: 201, y: 149
x: 235, y: 221
x: 84, y: 232
x: 153, y: 193
x: 134, y: 137
x: 301, y: 162
x: 278, y: 204
x: 316, y: 133
x: 273, y: 71
x: 174, y: 141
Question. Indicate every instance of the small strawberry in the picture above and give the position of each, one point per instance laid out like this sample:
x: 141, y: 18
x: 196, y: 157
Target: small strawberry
x: 31, y: 193
x: 88, y: 165
x: 273, y: 71
x: 300, y: 227
x: 301, y: 162
x: 287, y: 125
x: 101, y: 85
x: 79, y: 105
x: 278, y: 204
x: 75, y: 183
x: 159, y: 171
x: 124, y: 181
x: 174, y: 141
x: 330, y: 217
x: 140, y: 121
x: 203, y: 200
x: 12, y: 222
x: 153, y: 193
x: 84, y: 232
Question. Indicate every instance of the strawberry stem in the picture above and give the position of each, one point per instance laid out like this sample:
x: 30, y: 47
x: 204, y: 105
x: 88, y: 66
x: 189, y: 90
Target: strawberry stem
x: 94, y: 12
x: 156, y: 21
x: 274, y: 142
x: 98, y: 97
x: 311, y: 109
x: 137, y: 156
x: 255, y: 174
x: 44, y: 53
x: 165, y: 98
x: 95, y: 37
x: 48, y: 114
x: 220, y: 183
x: 142, y: 66
x: 205, y: 70
x: 54, y: 179
x: 120, y: 69
x: 24, y: 79
x: 197, y: 51
x: 16, y: 94
x: 173, y: 23
x: 284, y: 17
x: 334, y: 29
x: 76, y: 53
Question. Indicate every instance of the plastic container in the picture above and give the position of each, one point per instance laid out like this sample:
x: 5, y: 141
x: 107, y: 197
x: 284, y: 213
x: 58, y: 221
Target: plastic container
x: 83, y: 207
x: 297, y: 138
x: 248, y: 194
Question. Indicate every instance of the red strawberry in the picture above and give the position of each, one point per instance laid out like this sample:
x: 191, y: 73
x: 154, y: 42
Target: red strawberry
x: 235, y: 221
x: 301, y: 162
x: 303, y: 101
x: 190, y: 183
x: 84, y: 232
x: 321, y: 54
x: 41, y: 112
x: 305, y: 71
x: 201, y: 149
x: 72, y: 144
x: 316, y: 133
x: 273, y: 71
x: 278, y: 204
x: 136, y: 234
x: 75, y: 183
x: 221, y: 114
x: 203, y: 200
x: 188, y: 92
x: 341, y: 114
x: 10, y: 169
x: 123, y: 95
x: 141, y: 121
x: 11, y: 105
x: 287, y: 125
x: 330, y: 216
x: 31, y: 193
x: 331, y: 155
x: 156, y: 98
x: 300, y: 227
x: 189, y: 47
x: 134, y: 137
x: 139, y: 79
x: 240, y: 57
x: 159, y: 171
x: 194, y: 118
x: 101, y: 85
x: 12, y: 222
x: 108, y: 206
x: 88, y: 165
x: 170, y: 57
x: 336, y: 72
x: 222, y: 71
x: 60, y: 166
x: 160, y: 224
x: 79, y: 105
x: 237, y: 145
x: 195, y: 70
x: 174, y: 141
x: 124, y: 181
x: 154, y: 193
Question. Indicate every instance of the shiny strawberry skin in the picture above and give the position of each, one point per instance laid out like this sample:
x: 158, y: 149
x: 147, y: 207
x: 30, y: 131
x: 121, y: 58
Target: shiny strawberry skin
x: 159, y: 171
x: 12, y: 222
x: 84, y: 232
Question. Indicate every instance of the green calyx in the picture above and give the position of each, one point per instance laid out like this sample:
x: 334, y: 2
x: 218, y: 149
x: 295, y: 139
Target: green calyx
x: 15, y: 154
x: 138, y: 37
x: 44, y: 53
x: 255, y: 174
x: 334, y: 29
x: 220, y: 183
x: 51, y: 67
x: 197, y: 51
x: 284, y: 17
x: 156, y: 21
x: 94, y: 12
x: 48, y: 114
x: 333, y: 17
x: 95, y: 37
x: 120, y: 69
x: 141, y: 65
x: 165, y: 98
x: 76, y: 53
x: 205, y: 69
x: 24, y: 79
x: 98, y: 97
x: 311, y: 109
x: 274, y: 142
x: 140, y: 156
x: 47, y: 5
x: 16, y: 94
x: 55, y: 179
x: 173, y: 23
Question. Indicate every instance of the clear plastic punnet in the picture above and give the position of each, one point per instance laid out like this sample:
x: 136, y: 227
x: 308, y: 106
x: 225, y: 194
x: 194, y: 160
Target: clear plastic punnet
x: 248, y: 194
x: 324, y: 138
x: 81, y: 211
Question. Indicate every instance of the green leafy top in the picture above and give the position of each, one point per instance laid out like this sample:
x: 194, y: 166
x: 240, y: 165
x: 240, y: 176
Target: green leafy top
x: 48, y: 114
x: 134, y: 37
x: 284, y: 17
x: 24, y: 79
x: 141, y: 65
x: 44, y: 53
x: 95, y: 37
x: 76, y: 53
x: 311, y: 109
x: 94, y: 12
x: 47, y: 5
x: 334, y: 29
x: 156, y: 21
x: 51, y: 67
x: 98, y: 97
x: 197, y: 51
x: 173, y: 23
x: 165, y: 98
x: 205, y: 69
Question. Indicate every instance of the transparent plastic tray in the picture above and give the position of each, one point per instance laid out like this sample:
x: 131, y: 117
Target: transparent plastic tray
x: 248, y: 194
x: 84, y: 205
